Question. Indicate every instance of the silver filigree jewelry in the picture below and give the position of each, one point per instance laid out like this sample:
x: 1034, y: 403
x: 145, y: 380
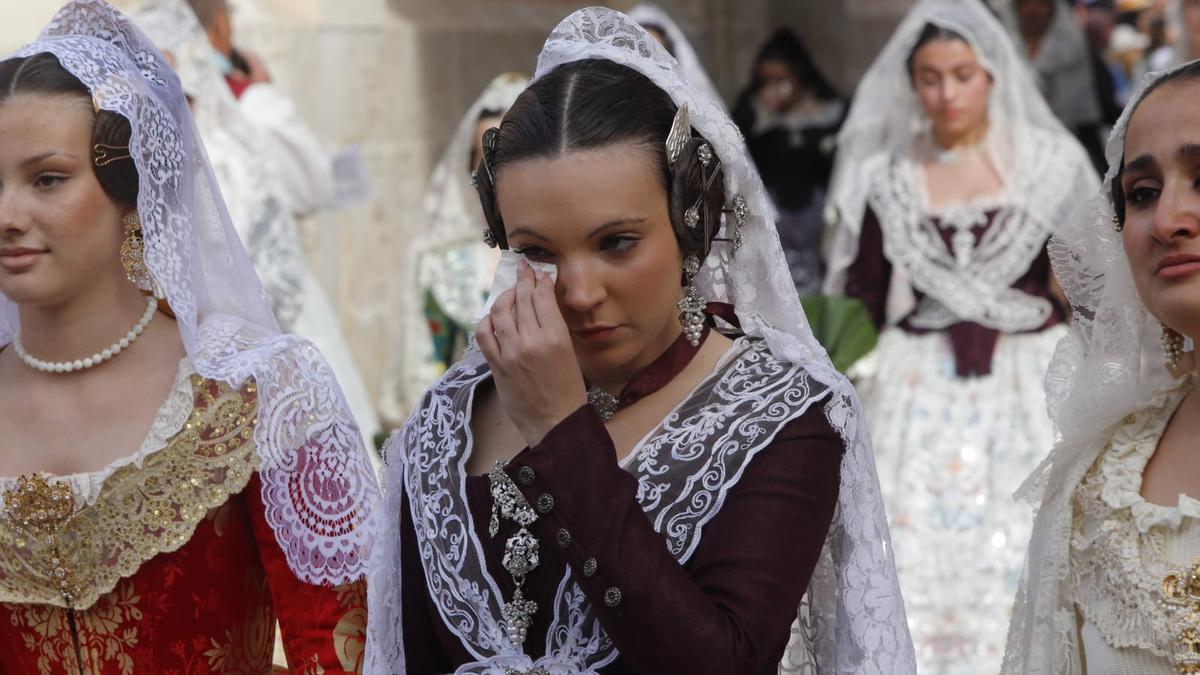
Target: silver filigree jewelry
x: 489, y: 238
x: 691, y: 217
x: 691, y: 307
x: 704, y: 154
x: 520, y: 551
x: 740, y: 213
x: 603, y: 402
x: 1118, y: 226
x: 678, y: 137
x: 1179, y: 362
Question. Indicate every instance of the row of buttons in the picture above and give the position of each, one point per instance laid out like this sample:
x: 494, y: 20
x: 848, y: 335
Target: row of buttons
x: 545, y: 504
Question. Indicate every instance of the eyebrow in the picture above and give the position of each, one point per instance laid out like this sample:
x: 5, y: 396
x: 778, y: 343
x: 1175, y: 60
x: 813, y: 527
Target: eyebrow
x: 45, y: 155
x: 1141, y: 163
x: 596, y: 231
x: 1188, y: 151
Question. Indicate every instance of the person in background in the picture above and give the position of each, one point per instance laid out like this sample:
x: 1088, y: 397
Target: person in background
x: 663, y: 28
x: 304, y: 168
x: 1051, y: 40
x: 790, y: 115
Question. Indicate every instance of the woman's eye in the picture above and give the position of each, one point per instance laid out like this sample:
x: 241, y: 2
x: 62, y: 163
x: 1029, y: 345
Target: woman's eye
x: 48, y: 180
x: 619, y: 243
x: 1140, y: 195
x: 534, y: 253
x: 965, y: 76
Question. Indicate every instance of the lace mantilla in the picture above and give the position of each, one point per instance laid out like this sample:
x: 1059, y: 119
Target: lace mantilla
x: 684, y: 469
x: 81, y: 550
x: 970, y: 280
x: 319, y: 488
x: 1119, y: 541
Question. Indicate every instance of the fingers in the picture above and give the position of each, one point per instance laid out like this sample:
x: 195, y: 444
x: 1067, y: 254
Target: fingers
x: 485, y: 337
x: 504, y: 325
x: 527, y: 317
x: 545, y: 304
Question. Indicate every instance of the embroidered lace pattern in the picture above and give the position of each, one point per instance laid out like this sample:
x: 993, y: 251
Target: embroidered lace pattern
x: 1119, y: 540
x: 141, y: 511
x: 684, y: 470
x: 970, y: 280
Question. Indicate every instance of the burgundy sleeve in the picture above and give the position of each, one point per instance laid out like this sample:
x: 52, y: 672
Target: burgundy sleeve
x: 870, y: 275
x: 423, y: 653
x: 729, y: 609
x: 324, y: 628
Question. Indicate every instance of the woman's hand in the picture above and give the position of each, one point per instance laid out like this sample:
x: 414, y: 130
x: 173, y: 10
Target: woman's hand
x: 528, y: 346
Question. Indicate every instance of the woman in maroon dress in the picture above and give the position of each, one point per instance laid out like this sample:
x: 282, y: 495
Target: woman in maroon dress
x: 649, y: 466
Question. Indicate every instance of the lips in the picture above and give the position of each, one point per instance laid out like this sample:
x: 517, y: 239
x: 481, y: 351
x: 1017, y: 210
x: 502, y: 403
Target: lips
x: 594, y: 333
x: 1178, y: 265
x: 19, y: 258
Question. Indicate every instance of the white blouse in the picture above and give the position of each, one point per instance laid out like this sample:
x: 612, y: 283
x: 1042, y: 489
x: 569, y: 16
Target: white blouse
x: 1135, y: 566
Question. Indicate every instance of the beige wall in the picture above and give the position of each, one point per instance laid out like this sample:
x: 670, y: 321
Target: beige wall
x: 393, y: 76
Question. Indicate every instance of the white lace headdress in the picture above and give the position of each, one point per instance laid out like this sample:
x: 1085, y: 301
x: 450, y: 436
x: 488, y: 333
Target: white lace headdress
x: 235, y: 148
x: 317, y: 485
x: 689, y: 61
x: 852, y: 619
x: 1025, y: 140
x: 453, y: 219
x: 1109, y: 365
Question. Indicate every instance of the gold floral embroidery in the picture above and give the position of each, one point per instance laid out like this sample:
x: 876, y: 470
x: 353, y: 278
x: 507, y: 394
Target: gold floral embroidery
x: 108, y: 632
x: 350, y: 633
x: 247, y: 647
x: 141, y: 511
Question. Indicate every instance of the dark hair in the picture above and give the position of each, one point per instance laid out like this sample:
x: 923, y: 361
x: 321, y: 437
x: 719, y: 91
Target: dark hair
x: 785, y: 46
x: 592, y: 104
x: 43, y: 74
x: 1186, y: 73
x: 928, y: 34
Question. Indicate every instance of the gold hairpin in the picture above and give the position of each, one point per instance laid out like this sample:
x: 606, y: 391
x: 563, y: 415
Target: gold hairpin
x: 103, y: 155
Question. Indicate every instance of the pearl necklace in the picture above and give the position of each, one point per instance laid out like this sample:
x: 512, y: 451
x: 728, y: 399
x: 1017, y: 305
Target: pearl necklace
x: 95, y: 359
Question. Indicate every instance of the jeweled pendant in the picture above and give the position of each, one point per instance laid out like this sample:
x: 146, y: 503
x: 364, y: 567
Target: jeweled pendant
x: 603, y: 402
x: 518, y: 617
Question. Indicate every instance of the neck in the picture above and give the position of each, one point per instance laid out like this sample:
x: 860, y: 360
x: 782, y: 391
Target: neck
x: 947, y: 140
x: 81, y: 326
x: 614, y: 382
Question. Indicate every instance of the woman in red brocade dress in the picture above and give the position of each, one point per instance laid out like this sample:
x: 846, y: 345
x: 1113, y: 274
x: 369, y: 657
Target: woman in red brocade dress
x: 175, y: 474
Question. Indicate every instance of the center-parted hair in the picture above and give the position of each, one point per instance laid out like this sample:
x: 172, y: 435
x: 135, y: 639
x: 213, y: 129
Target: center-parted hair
x: 593, y: 104
x: 43, y: 74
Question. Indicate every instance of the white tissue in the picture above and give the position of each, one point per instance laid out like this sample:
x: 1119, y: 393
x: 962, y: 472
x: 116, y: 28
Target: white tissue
x: 506, y: 278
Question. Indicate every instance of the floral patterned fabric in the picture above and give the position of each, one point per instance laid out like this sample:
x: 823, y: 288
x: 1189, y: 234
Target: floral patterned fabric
x: 206, y: 605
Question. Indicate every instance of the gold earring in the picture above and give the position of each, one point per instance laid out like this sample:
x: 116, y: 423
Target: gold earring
x: 133, y: 253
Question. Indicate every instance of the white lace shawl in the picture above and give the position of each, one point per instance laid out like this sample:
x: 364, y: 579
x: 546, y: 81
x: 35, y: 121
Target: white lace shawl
x: 852, y: 619
x: 453, y: 220
x: 318, y: 487
x: 1109, y: 365
x: 1042, y: 165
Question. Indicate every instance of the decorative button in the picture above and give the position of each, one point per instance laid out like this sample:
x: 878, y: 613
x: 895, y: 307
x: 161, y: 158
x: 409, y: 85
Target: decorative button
x: 545, y: 504
x: 525, y: 475
x: 563, y: 537
x: 612, y: 596
x: 589, y: 567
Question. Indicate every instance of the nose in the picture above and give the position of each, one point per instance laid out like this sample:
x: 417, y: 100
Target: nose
x: 1177, y: 215
x: 580, y: 286
x: 949, y: 90
x: 12, y: 223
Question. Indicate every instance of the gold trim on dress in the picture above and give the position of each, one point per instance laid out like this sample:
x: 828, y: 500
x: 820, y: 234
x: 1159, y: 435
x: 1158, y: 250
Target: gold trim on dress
x: 56, y: 551
x: 1181, y: 597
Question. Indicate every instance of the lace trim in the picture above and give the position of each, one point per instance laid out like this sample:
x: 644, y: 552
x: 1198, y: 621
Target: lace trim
x: 142, y: 510
x: 1119, y: 539
x: 971, y: 280
x: 684, y: 470
x: 167, y: 422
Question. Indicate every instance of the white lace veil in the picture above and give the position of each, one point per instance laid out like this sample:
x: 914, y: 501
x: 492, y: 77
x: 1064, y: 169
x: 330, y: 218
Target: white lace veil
x: 234, y: 146
x: 693, y: 68
x: 453, y: 219
x: 886, y: 118
x: 1110, y: 364
x: 317, y: 485
x: 852, y: 619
